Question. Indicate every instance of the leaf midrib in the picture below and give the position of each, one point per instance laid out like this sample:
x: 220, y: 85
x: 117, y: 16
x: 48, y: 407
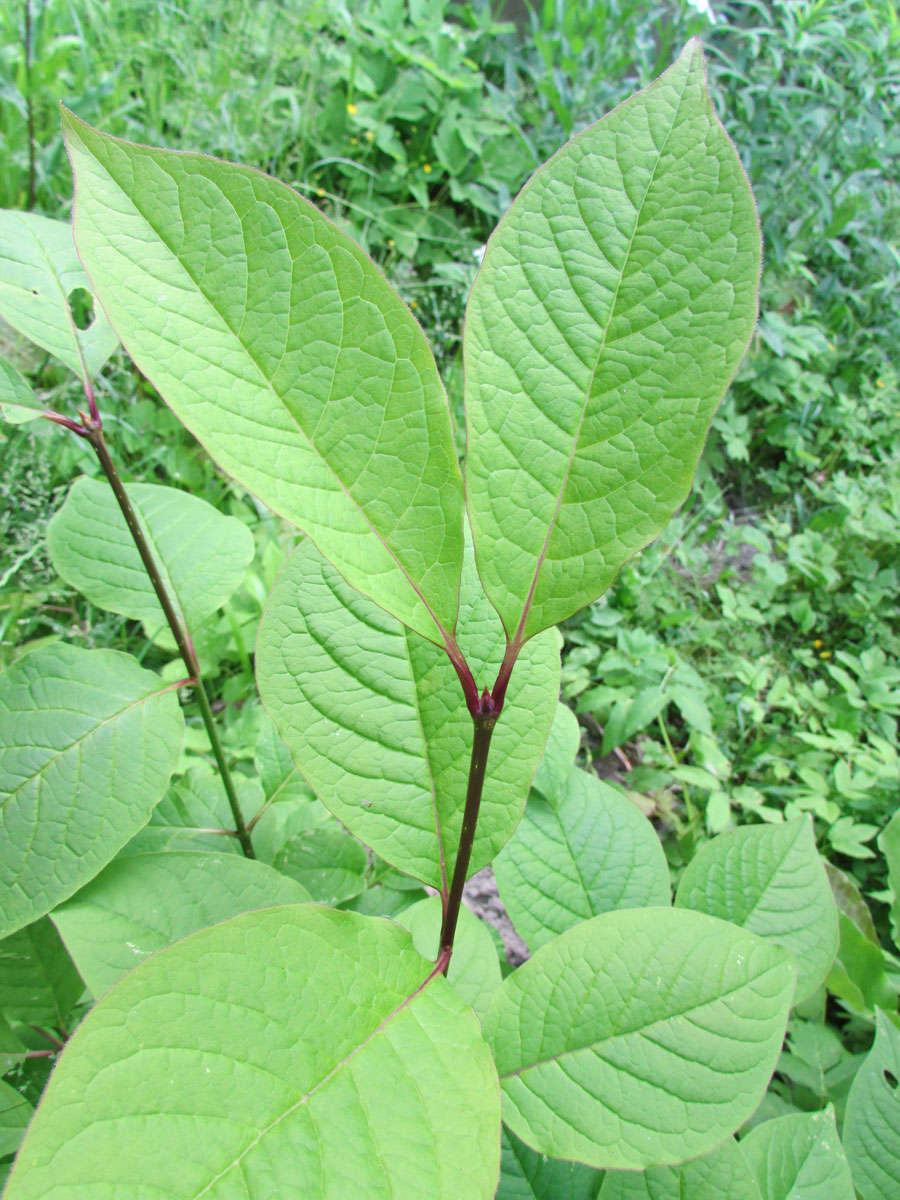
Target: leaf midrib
x: 640, y: 1031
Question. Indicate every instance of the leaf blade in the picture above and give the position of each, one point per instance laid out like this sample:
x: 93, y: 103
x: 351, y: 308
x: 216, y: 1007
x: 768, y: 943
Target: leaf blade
x: 282, y: 347
x: 663, y: 1037
x: 626, y: 262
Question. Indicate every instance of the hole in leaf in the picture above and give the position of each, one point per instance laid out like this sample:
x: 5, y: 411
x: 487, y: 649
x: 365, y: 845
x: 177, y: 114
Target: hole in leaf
x: 81, y: 306
x: 891, y: 1079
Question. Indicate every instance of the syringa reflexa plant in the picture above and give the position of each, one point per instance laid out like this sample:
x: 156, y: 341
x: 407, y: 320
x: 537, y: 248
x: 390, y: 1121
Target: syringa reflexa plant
x: 269, y: 1047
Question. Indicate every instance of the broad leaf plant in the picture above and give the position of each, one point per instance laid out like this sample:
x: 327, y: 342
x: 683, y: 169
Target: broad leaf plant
x: 245, y: 1041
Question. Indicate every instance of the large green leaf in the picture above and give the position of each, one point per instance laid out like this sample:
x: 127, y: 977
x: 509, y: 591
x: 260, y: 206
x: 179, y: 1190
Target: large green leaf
x: 144, y: 902
x: 639, y: 1038
x: 18, y: 403
x: 327, y: 862
x: 289, y: 1052
x: 771, y: 880
x: 615, y: 301
x: 592, y: 853
x: 38, y: 980
x: 202, y: 555
x: 88, y: 740
x: 375, y: 718
x: 723, y: 1175
x: 283, y: 348
x: 474, y: 968
x: 527, y: 1175
x: 872, y: 1121
x: 39, y: 270
x: 799, y: 1157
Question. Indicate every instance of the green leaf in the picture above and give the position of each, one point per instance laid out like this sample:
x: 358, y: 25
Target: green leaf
x: 559, y: 754
x: 88, y: 740
x: 615, y: 301
x: 474, y: 968
x: 15, y: 1113
x: 40, y: 272
x: 328, y: 863
x: 286, y: 352
x: 375, y: 718
x: 593, y: 853
x: 889, y: 845
x: 202, y: 555
x: 639, y: 1038
x: 144, y: 902
x: 723, y: 1175
x: 872, y: 1122
x: 799, y: 1157
x: 18, y: 403
x: 770, y: 880
x: 527, y: 1175
x: 857, y: 976
x: 289, y: 1052
x: 38, y: 981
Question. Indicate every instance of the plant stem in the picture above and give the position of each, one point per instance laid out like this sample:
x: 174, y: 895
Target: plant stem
x: 481, y: 743
x: 94, y: 435
x: 29, y: 105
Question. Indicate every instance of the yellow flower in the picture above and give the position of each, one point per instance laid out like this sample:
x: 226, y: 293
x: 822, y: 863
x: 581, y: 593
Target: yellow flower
x: 880, y: 383
x: 427, y: 168
x: 825, y: 654
x: 320, y: 191
x: 370, y: 135
x: 817, y: 643
x: 413, y: 304
x: 391, y: 243
x: 354, y: 141
x: 351, y: 109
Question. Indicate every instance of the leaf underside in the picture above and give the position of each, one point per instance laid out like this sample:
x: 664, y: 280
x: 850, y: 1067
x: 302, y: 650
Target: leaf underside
x: 282, y: 1053
x: 615, y: 301
x: 286, y: 352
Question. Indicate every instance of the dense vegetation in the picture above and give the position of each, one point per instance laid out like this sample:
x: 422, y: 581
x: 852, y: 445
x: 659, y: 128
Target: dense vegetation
x: 745, y: 668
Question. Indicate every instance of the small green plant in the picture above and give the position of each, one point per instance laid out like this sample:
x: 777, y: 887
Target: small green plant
x: 409, y: 660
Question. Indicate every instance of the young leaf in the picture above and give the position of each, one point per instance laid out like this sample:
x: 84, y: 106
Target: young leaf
x: 285, y: 351
x: 474, y: 968
x: 88, y: 740
x: 144, y: 902
x: 639, y: 1038
x: 615, y: 301
x: 38, y: 980
x: 40, y: 272
x: 593, y: 852
x: 201, y: 554
x: 527, y: 1175
x: 769, y: 879
x: 872, y: 1121
x: 18, y: 403
x: 799, y: 1157
x: 347, y: 1077
x: 376, y: 721
x: 723, y: 1175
